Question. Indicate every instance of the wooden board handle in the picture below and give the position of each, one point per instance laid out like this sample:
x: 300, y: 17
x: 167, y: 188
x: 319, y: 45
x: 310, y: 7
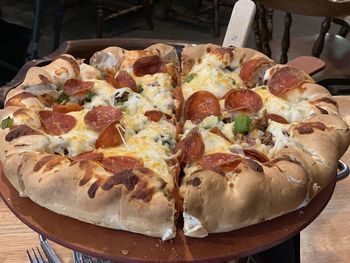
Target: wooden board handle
x: 311, y: 65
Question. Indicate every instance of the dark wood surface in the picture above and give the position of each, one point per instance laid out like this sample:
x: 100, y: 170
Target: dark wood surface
x: 129, y: 247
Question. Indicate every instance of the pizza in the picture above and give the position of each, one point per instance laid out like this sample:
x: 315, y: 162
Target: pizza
x: 138, y: 140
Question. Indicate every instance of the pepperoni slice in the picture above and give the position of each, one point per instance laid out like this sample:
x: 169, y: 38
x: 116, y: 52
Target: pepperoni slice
x: 101, y: 116
x: 226, y: 161
x: 122, y: 80
x: 19, y: 131
x: 256, y: 155
x: 192, y: 146
x: 308, y: 128
x: 276, y: 118
x: 17, y: 99
x: 88, y: 156
x: 57, y: 123
x: 156, y: 115
x: 116, y: 164
x: 178, y: 95
x: 111, y: 80
x: 200, y: 105
x: 110, y: 136
x: 249, y: 70
x: 148, y: 65
x: 75, y: 87
x: 284, y: 79
x: 67, y: 107
x: 243, y: 100
x: 217, y: 131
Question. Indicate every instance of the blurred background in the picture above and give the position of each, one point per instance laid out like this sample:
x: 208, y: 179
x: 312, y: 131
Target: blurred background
x: 191, y: 20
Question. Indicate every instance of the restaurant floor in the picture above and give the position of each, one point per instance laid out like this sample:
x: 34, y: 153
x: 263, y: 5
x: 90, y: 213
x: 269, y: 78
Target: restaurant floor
x: 325, y: 240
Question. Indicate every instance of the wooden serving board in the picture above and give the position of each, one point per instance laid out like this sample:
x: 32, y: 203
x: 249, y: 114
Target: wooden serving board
x: 129, y: 247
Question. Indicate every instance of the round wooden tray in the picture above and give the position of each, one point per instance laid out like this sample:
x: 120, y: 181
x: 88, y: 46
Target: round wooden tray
x: 129, y: 247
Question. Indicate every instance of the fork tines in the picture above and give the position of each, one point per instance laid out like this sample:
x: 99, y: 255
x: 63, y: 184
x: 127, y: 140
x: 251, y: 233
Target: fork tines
x: 36, y: 258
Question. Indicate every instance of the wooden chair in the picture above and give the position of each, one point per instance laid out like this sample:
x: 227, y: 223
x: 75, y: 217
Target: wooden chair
x: 333, y: 49
x: 197, y: 12
x: 107, y: 9
x: 59, y: 7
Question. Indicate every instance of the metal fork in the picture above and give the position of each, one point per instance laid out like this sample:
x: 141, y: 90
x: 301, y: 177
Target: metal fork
x: 36, y: 257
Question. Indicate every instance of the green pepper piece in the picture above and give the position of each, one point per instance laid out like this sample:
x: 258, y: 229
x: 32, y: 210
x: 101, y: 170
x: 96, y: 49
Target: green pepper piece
x: 63, y: 98
x: 139, y: 88
x: 190, y: 77
x: 89, y: 96
x: 6, y: 123
x: 242, y: 124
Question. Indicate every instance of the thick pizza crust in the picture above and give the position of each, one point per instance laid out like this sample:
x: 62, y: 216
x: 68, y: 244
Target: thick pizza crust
x: 59, y: 190
x: 253, y: 194
x: 147, y: 208
x: 111, y: 59
x: 63, y: 68
x: 259, y: 192
x: 194, y: 55
x: 167, y: 53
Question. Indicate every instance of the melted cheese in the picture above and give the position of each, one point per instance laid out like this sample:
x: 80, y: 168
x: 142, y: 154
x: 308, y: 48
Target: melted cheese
x: 136, y: 103
x: 211, y: 75
x: 215, y: 143
x: 291, y: 111
x: 280, y: 138
x: 150, y: 152
x: 88, y: 72
x: 152, y: 145
x: 104, y: 94
x: 80, y: 139
x: 227, y: 130
x: 157, y: 89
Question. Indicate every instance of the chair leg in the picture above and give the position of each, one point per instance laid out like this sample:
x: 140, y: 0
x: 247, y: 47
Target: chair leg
x: 36, y: 31
x: 256, y: 31
x: 286, y: 38
x: 166, y: 9
x: 216, y: 18
x: 269, y: 20
x: 264, y: 31
x: 99, y: 21
x: 58, y: 12
x: 148, y: 13
x: 318, y: 45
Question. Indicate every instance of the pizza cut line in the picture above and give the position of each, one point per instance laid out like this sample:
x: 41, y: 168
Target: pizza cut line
x: 135, y: 140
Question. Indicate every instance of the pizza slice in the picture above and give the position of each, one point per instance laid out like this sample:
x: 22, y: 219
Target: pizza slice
x: 97, y: 146
x: 260, y: 140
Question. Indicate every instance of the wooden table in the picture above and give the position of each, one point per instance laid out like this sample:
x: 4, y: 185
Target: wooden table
x: 326, y: 239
